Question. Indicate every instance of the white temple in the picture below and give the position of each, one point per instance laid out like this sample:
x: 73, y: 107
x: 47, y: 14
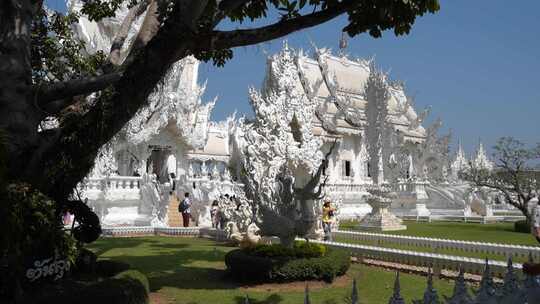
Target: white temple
x: 171, y: 144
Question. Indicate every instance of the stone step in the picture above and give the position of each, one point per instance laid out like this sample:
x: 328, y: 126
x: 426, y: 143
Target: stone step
x: 175, y: 219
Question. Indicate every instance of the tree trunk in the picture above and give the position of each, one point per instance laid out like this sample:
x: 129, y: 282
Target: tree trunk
x: 18, y: 117
x: 59, y: 161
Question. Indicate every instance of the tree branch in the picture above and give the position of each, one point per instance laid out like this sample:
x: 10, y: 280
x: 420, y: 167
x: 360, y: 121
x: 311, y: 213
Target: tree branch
x: 148, y: 30
x: 67, y: 89
x: 121, y: 35
x: 243, y: 37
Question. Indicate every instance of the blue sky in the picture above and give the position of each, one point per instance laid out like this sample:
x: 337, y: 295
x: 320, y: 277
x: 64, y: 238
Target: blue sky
x: 477, y: 63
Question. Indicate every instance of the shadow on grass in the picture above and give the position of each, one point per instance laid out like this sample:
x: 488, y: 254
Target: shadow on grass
x: 271, y: 299
x: 170, y: 261
x: 103, y: 245
x: 192, y: 278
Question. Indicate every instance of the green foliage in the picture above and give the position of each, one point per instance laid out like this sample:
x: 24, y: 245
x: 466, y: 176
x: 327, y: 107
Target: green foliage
x: 265, y: 264
x: 522, y: 226
x: 218, y: 57
x: 89, y: 228
x: 109, y: 268
x: 32, y: 229
x: 99, y: 9
x: 135, y: 275
x: 300, y: 250
x: 376, y: 16
x: 56, y: 53
x: 326, y: 268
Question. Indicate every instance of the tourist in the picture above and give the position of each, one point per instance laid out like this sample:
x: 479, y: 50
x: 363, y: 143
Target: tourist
x: 214, y: 214
x: 172, y: 180
x: 185, y: 209
x: 536, y: 221
x: 533, y: 269
x: 327, y: 219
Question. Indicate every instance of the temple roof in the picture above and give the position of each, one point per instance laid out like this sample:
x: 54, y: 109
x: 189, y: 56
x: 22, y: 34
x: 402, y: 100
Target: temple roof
x: 216, y: 146
x: 351, y: 77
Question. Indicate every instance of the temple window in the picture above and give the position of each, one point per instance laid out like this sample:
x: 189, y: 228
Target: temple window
x: 347, y: 168
x: 368, y: 170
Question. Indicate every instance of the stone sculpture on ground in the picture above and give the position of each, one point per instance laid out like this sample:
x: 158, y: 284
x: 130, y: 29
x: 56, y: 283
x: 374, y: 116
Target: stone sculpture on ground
x: 282, y: 159
x: 380, y: 218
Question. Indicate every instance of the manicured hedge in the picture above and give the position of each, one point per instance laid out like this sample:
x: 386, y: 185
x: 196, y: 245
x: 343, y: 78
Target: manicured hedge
x: 245, y: 264
x: 300, y: 250
x: 522, y: 226
x: 135, y: 275
x: 129, y: 287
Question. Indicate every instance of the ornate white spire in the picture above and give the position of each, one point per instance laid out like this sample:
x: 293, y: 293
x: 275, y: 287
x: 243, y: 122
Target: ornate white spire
x: 460, y: 163
x: 481, y: 160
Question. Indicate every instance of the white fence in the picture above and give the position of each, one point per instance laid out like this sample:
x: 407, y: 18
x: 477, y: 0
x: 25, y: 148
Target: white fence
x: 506, y: 250
x: 462, y: 218
x: 435, y: 260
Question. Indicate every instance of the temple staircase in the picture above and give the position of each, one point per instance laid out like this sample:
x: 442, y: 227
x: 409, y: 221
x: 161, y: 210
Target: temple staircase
x: 175, y: 218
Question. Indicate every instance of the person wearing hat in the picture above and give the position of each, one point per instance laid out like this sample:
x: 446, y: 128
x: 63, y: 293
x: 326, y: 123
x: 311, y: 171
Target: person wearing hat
x: 327, y: 219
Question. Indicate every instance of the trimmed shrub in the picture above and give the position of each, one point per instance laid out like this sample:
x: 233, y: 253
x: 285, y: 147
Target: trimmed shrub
x: 249, y: 264
x: 135, y: 275
x: 109, y: 268
x: 522, y: 226
x: 130, y: 287
x: 300, y: 250
x: 242, y: 265
x: 326, y: 268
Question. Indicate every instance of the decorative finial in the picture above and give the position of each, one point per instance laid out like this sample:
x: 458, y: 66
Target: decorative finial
x: 486, y: 292
x: 343, y: 43
x: 396, y: 296
x: 510, y: 291
x: 430, y: 294
x: 306, y: 295
x: 354, y: 294
x: 461, y: 294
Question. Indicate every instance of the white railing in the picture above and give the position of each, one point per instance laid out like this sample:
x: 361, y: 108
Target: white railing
x: 435, y: 260
x: 462, y: 218
x: 345, y: 187
x: 113, y: 183
x: 176, y: 231
x: 506, y: 250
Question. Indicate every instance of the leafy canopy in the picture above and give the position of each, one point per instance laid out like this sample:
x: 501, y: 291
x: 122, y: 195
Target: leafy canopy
x: 58, y: 55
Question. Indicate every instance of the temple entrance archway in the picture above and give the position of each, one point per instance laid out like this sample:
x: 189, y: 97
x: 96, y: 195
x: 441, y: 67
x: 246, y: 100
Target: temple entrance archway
x: 162, y: 162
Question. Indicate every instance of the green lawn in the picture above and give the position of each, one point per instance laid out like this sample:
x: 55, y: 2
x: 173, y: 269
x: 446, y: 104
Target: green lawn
x: 493, y: 233
x: 189, y: 270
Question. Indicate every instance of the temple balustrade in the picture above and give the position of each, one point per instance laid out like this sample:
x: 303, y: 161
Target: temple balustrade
x: 113, y: 183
